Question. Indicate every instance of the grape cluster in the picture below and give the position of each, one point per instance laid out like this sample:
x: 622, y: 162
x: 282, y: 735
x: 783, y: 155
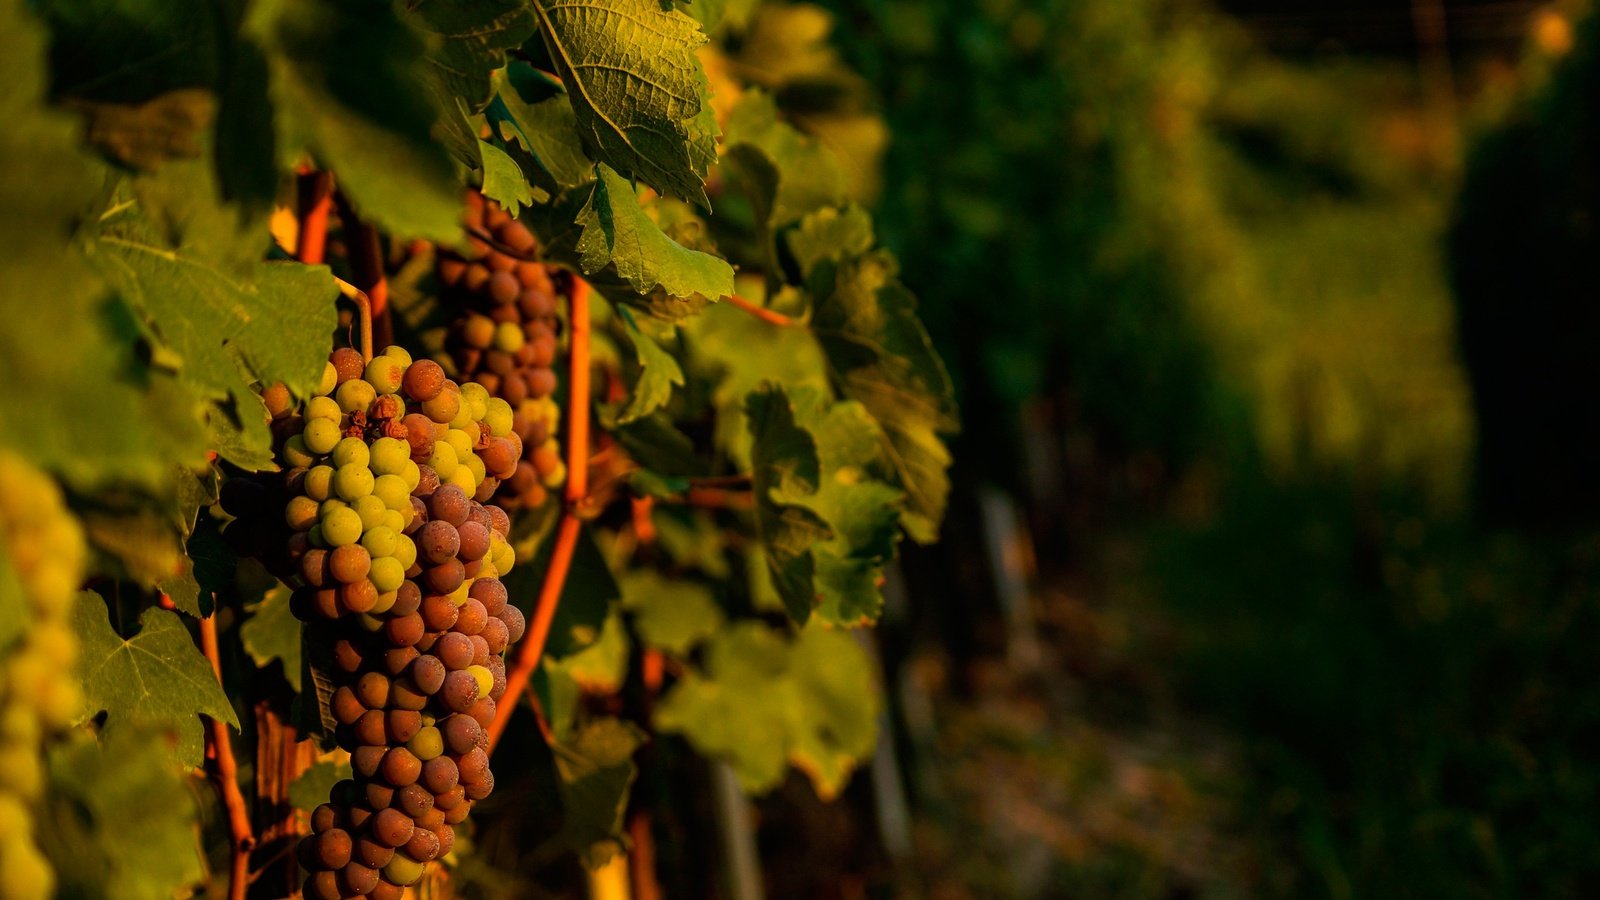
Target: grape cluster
x: 506, y: 340
x: 47, y: 553
x: 397, y: 566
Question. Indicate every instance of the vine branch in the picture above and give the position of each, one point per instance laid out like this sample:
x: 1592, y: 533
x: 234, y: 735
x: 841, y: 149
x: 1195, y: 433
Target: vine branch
x: 570, y: 526
x: 366, y: 263
x: 771, y: 317
x: 227, y: 776
x: 315, y: 201
x: 364, y: 306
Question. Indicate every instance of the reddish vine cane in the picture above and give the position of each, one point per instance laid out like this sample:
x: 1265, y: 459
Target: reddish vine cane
x: 568, y: 529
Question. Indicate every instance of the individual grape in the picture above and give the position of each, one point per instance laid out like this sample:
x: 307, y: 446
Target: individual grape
x: 359, y: 880
x: 372, y: 854
x: 389, y: 456
x: 462, y: 734
x: 391, y: 827
x: 515, y: 623
x: 333, y: 848
x: 471, y: 618
x: 323, y: 818
x: 403, y: 725
x: 414, y: 800
x: 424, y: 844
x: 460, y: 691
x: 445, y: 577
x: 454, y: 650
x: 438, y: 613
x: 398, y: 352
x: 318, y: 483
x: 341, y: 527
x: 352, y: 482
x: 428, y: 674
x: 403, y: 870
x: 439, y: 774
x: 347, y: 363
x: 320, y: 435
x: 427, y: 743
x: 351, y: 451
x: 483, y: 677
x: 330, y: 380
x: 346, y: 706
x: 400, y: 767
x: 322, y: 885
x: 349, y: 563
x: 387, y: 574
x: 444, y: 407
x: 423, y: 380
x: 323, y: 408
x: 355, y: 396
x: 371, y: 510
x: 372, y: 689
x: 385, y: 373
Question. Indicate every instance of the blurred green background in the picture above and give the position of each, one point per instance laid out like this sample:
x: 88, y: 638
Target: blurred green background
x: 1275, y: 329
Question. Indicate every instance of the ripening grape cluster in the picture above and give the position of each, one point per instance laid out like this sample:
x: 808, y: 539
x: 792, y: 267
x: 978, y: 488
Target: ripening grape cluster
x: 47, y: 553
x: 506, y: 341
x: 397, y: 566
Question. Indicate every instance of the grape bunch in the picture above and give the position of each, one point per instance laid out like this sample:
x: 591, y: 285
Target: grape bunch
x: 505, y: 340
x: 46, y: 550
x: 397, y: 567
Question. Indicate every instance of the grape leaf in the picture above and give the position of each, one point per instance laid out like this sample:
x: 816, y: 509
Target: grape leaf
x: 503, y: 181
x: 831, y: 234
x: 469, y: 41
x: 658, y: 372
x: 349, y: 87
x: 273, y: 633
x: 601, y: 666
x: 209, y: 569
x: 861, y: 509
x: 763, y: 702
x: 736, y: 352
x: 637, y: 88
x: 586, y: 596
x: 547, y: 128
x: 617, y: 231
x: 156, y: 677
x: 122, y: 820
x: 793, y: 174
x: 274, y: 325
x: 312, y: 788
x: 673, y: 615
x: 138, y: 543
x: 110, y: 418
x: 880, y: 354
x: 784, y: 466
x: 596, y: 771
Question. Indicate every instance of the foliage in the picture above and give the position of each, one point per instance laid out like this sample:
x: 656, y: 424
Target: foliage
x: 147, y: 153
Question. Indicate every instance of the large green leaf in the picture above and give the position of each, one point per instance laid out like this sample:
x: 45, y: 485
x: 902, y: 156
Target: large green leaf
x: 671, y: 614
x: 469, y: 40
x: 764, y: 702
x: 157, y: 677
x: 349, y: 84
x: 273, y: 633
x: 789, y: 174
x: 784, y: 466
x: 122, y: 822
x: 596, y: 770
x: 82, y: 404
x: 861, y: 509
x: 880, y: 354
x: 638, y: 90
x: 658, y: 372
x: 273, y: 322
x: 503, y: 181
x: 616, y: 231
x: 542, y: 121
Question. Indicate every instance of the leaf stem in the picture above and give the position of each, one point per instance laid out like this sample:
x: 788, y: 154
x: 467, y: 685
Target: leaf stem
x: 771, y: 317
x: 364, y: 307
x: 570, y: 526
x: 227, y: 776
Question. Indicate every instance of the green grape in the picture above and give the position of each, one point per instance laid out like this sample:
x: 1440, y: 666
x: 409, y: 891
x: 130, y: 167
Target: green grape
x: 330, y: 380
x: 476, y: 397
x: 402, y: 870
x: 463, y: 415
x: 395, y: 521
x: 341, y: 527
x: 301, y: 513
x: 475, y: 463
x: 386, y: 600
x: 412, y: 474
x: 355, y: 396
x: 323, y: 408
x: 330, y: 504
x: 320, y: 435
x: 295, y: 454
x: 462, y: 440
x: 381, y: 541
x: 384, y: 374
x: 484, y: 677
x: 508, y: 337
x: 352, y: 482
x: 318, y: 483
x: 499, y: 417
x: 398, y: 352
x: 387, y: 574
x: 389, y: 456
x: 461, y: 595
x: 392, y: 492
x: 426, y: 744
x: 352, y: 451
x: 405, y: 551
x: 371, y: 510
x: 462, y: 478
x: 444, y: 460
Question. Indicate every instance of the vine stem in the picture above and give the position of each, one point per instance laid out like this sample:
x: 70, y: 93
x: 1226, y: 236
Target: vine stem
x: 771, y: 317
x: 227, y: 776
x: 315, y: 200
x: 366, y: 262
x: 364, y: 305
x: 570, y: 526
